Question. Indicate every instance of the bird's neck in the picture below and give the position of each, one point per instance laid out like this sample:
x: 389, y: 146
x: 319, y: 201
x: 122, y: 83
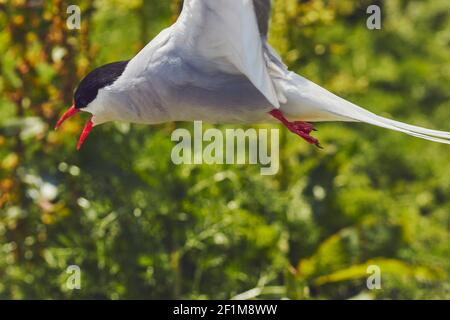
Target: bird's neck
x: 134, y: 103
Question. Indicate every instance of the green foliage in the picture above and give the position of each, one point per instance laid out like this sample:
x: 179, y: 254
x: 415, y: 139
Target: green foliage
x: 141, y: 227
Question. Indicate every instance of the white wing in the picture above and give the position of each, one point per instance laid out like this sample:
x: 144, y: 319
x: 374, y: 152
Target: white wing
x: 225, y: 35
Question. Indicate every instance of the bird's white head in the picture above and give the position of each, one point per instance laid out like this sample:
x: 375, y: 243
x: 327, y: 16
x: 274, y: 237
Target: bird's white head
x: 90, y: 97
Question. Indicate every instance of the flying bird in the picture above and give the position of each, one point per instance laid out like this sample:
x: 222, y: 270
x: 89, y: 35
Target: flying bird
x: 215, y: 64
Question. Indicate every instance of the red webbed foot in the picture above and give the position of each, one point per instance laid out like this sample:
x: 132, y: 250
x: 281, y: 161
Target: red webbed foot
x: 300, y: 128
x: 304, y: 126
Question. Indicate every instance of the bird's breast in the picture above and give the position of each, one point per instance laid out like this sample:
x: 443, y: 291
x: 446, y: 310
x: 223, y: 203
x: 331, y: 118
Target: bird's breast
x: 191, y: 92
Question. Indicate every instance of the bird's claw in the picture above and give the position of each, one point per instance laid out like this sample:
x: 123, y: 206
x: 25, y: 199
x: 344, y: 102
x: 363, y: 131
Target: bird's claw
x: 305, y: 134
x: 304, y: 126
x: 300, y: 128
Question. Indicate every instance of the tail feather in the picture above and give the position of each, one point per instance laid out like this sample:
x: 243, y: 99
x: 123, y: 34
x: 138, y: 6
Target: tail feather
x: 353, y: 112
x: 313, y: 103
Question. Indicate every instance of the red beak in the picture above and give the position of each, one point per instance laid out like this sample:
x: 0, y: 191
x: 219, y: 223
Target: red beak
x: 68, y: 114
x: 87, y: 129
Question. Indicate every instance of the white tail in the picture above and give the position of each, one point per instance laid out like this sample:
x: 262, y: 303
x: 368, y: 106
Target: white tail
x: 311, y: 102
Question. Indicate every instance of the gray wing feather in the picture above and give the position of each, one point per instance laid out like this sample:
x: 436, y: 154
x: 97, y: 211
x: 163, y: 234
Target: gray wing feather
x: 263, y: 9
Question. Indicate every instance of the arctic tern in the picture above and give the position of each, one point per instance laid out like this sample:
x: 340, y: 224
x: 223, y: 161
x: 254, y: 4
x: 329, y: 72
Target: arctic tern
x: 215, y: 64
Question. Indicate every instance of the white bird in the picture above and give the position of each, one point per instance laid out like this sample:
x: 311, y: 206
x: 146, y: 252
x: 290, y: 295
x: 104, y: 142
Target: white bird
x: 215, y: 64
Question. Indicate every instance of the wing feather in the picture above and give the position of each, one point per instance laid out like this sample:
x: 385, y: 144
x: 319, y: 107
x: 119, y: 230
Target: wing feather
x: 228, y: 35
x: 263, y: 10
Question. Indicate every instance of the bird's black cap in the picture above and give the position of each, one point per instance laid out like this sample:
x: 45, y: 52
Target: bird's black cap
x: 99, y: 78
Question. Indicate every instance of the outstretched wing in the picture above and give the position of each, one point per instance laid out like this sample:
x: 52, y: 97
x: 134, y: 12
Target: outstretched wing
x: 228, y: 35
x: 263, y: 10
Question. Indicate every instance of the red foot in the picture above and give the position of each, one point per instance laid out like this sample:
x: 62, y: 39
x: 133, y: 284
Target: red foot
x: 303, y: 129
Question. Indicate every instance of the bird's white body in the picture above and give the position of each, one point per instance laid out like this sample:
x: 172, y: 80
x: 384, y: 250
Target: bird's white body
x: 214, y: 64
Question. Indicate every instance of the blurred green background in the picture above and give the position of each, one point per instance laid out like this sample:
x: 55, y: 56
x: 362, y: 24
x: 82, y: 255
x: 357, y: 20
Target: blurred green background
x: 140, y: 227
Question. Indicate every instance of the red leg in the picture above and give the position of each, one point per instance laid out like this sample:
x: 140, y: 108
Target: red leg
x: 303, y: 129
